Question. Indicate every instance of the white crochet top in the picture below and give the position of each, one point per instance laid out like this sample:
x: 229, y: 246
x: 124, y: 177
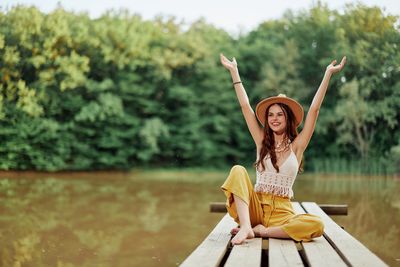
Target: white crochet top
x: 269, y: 181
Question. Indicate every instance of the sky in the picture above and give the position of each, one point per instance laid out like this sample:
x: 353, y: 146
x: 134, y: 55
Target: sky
x: 231, y: 15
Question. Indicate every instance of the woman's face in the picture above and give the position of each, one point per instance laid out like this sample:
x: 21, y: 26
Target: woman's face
x: 276, y: 119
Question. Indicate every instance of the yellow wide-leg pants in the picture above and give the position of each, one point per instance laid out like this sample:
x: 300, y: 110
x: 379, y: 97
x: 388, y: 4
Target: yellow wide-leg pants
x: 268, y: 209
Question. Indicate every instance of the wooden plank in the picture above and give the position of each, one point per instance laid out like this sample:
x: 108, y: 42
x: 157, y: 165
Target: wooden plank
x: 283, y: 253
x: 334, y: 209
x: 352, y: 251
x: 318, y: 252
x: 246, y: 254
x: 211, y: 251
x: 298, y: 209
x: 217, y: 206
x: 330, y: 209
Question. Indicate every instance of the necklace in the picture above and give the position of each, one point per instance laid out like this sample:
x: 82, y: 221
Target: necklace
x: 282, y: 146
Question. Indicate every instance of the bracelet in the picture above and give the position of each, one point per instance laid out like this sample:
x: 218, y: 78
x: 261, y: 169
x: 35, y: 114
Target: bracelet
x: 237, y: 82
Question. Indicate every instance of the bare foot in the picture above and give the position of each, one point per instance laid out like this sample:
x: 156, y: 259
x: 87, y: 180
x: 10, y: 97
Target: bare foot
x: 260, y: 230
x: 243, y: 234
x: 235, y: 230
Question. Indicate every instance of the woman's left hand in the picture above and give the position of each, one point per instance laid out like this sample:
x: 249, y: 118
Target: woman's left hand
x: 332, y: 69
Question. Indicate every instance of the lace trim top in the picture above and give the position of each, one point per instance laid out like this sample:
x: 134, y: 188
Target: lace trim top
x: 270, y: 181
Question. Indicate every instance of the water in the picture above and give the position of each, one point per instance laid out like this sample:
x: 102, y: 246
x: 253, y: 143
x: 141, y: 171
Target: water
x: 157, y: 218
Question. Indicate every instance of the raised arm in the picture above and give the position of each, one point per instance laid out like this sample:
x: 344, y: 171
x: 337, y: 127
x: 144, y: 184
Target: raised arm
x: 304, y: 137
x: 248, y: 113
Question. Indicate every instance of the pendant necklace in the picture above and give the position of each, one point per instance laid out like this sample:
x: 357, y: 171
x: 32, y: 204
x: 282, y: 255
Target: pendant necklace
x: 282, y: 146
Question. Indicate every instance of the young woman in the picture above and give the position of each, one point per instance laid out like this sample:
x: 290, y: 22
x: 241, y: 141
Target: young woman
x: 266, y: 210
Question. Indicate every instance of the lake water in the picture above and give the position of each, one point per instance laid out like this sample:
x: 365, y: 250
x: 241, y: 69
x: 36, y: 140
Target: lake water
x: 157, y: 218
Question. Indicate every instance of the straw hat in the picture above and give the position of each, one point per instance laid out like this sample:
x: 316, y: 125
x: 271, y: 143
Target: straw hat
x: 297, y: 109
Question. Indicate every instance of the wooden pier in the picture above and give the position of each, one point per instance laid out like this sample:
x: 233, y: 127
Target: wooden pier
x: 335, y: 248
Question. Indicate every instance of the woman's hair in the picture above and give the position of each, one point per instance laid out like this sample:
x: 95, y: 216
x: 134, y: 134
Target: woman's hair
x: 268, y: 143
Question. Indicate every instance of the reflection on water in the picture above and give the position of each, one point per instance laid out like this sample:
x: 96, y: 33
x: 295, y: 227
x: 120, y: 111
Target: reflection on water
x: 157, y: 218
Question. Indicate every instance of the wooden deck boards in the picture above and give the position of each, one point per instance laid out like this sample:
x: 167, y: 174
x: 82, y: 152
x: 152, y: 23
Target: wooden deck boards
x: 247, y: 254
x: 214, y: 247
x: 283, y: 253
x: 351, y: 250
x: 319, y: 252
x: 335, y: 248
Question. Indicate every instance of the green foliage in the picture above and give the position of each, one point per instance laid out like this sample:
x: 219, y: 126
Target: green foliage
x: 119, y: 91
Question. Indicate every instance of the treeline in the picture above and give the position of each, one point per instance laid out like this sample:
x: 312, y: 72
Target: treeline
x: 119, y: 91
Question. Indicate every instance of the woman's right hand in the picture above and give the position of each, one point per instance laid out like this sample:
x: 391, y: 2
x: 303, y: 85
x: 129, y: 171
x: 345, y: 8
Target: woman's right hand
x: 229, y: 65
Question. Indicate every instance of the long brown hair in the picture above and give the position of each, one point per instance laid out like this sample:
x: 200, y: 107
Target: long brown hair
x: 268, y: 143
